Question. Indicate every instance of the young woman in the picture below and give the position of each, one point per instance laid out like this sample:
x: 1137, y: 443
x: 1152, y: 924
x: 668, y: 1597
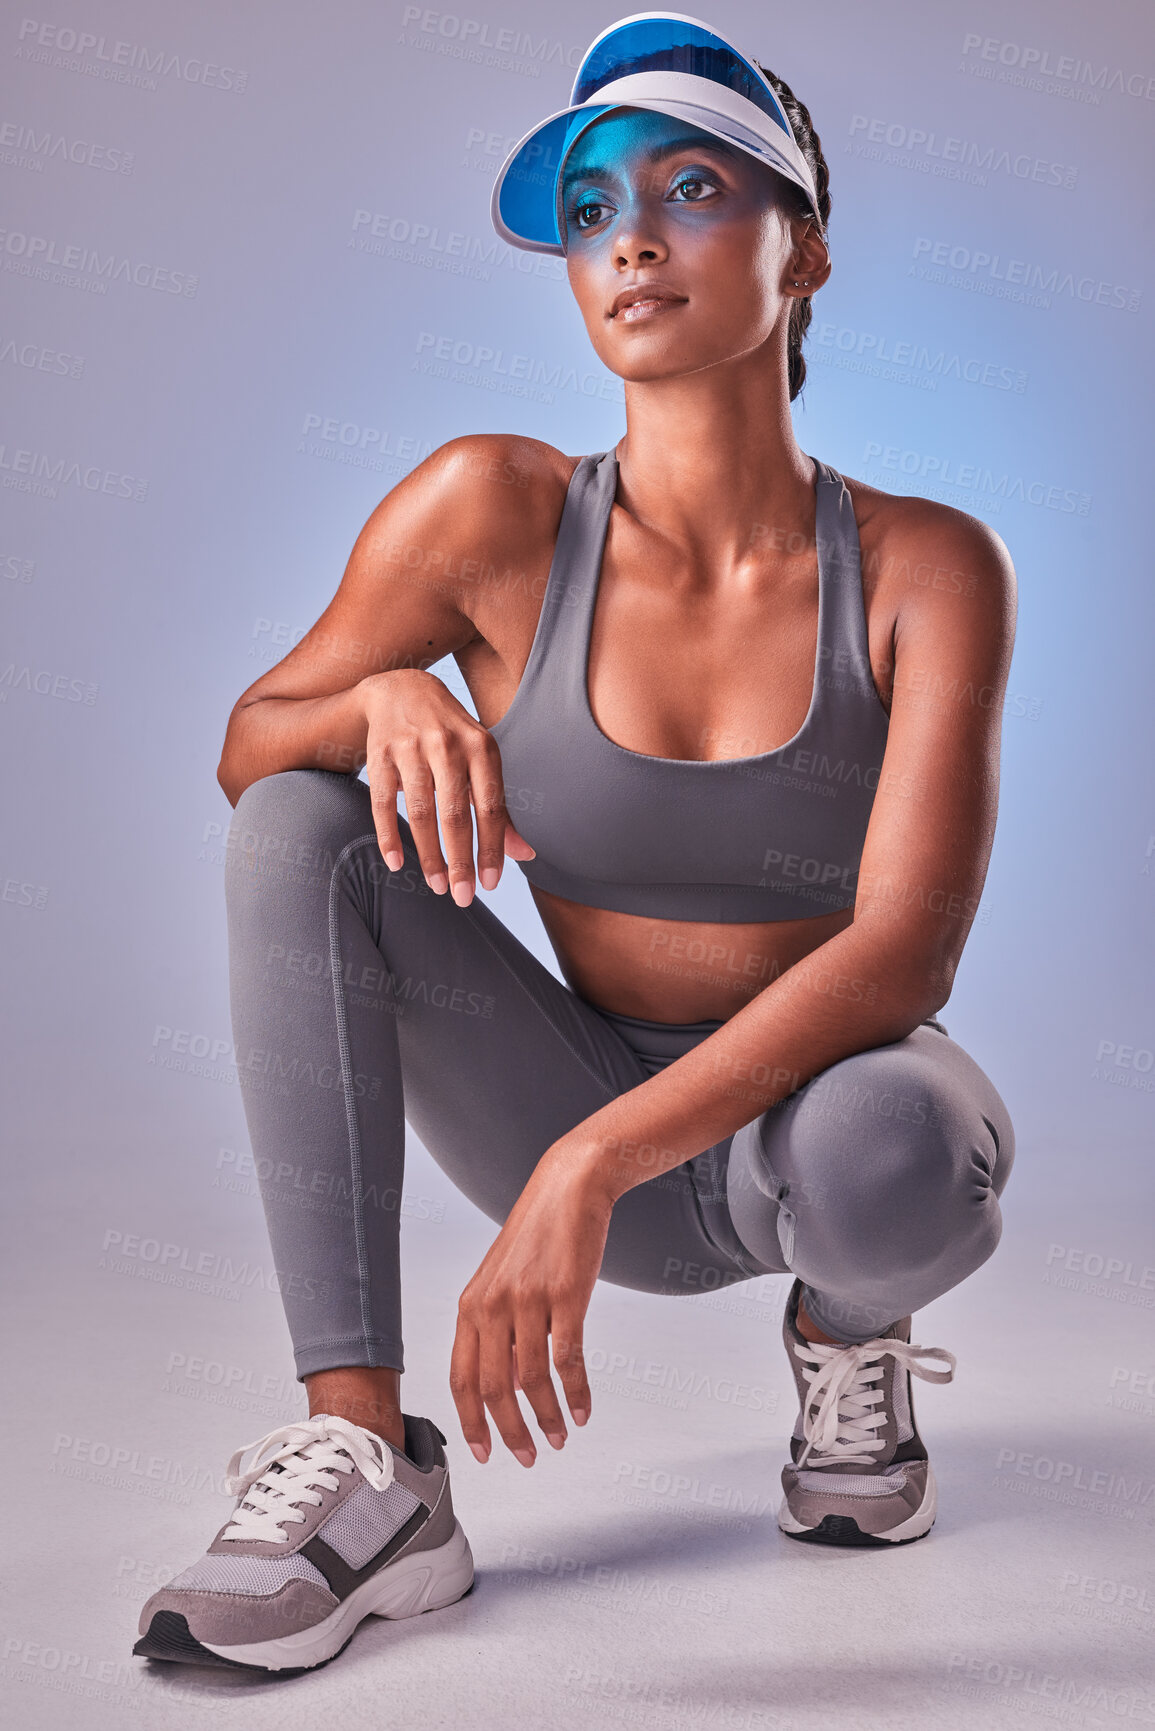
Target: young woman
x: 739, y: 727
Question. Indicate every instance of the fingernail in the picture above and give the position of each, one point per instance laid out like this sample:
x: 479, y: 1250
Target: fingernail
x: 555, y: 1438
x: 463, y: 892
x: 480, y: 1452
x: 489, y: 877
x: 395, y: 860
x: 439, y: 883
x: 525, y: 1456
x: 579, y: 1414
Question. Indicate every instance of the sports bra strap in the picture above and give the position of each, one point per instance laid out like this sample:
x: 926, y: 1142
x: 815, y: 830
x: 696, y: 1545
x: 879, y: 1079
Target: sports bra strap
x: 560, y: 639
x: 841, y: 601
x: 563, y: 632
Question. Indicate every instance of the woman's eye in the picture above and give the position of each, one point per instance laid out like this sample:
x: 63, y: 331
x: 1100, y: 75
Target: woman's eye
x: 696, y: 183
x: 584, y: 205
x: 587, y: 211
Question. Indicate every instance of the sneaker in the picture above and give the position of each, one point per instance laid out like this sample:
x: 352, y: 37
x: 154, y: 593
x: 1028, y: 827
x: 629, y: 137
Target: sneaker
x: 332, y: 1524
x: 859, y: 1473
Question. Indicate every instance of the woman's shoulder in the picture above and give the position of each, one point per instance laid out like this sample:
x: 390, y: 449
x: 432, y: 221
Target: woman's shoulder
x: 504, y: 490
x: 925, y: 544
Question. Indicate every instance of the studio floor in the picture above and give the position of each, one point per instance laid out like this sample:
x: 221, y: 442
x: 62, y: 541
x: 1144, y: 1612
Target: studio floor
x: 637, y: 1577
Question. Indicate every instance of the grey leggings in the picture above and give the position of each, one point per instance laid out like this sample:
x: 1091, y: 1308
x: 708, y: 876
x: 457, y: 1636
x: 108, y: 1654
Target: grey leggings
x: 360, y: 999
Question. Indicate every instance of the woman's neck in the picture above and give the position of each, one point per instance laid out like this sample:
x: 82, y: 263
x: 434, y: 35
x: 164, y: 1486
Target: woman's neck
x: 710, y: 462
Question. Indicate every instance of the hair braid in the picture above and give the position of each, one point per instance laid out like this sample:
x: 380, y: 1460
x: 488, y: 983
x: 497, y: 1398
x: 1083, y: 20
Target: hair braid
x: 810, y: 145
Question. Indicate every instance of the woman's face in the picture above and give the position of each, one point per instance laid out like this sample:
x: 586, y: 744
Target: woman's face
x: 651, y: 201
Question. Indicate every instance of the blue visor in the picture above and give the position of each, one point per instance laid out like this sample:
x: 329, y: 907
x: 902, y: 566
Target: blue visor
x: 666, y: 43
x: 528, y: 196
x: 656, y: 60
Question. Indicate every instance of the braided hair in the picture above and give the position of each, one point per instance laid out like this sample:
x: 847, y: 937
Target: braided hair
x: 810, y: 145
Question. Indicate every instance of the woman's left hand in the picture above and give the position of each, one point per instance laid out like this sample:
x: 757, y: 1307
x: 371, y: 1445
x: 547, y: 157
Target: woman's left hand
x: 533, y: 1285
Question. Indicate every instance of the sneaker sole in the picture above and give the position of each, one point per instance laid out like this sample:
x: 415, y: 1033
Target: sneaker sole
x: 845, y: 1530
x: 424, y: 1581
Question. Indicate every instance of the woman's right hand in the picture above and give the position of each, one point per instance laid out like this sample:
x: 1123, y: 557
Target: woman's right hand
x: 423, y: 743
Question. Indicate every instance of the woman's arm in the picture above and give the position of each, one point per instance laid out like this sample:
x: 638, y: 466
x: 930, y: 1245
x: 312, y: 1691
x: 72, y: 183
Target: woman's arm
x: 921, y: 875
x: 355, y: 690
x: 404, y: 602
x: 923, y: 866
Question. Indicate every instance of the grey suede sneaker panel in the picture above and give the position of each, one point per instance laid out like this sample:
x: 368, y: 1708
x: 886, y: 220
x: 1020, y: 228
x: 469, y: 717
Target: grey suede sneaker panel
x: 438, y: 1527
x: 231, y: 1619
x: 877, y: 1515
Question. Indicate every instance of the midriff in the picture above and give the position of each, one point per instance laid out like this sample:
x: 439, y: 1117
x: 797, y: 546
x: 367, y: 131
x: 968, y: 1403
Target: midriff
x: 674, y: 970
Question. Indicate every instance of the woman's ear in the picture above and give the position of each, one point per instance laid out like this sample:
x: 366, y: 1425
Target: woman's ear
x: 808, y: 266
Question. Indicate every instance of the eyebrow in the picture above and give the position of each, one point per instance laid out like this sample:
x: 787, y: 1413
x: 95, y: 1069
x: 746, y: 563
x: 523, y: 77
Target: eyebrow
x: 693, y: 141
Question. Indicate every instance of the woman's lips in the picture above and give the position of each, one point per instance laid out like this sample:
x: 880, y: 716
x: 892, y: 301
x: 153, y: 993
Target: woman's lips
x: 636, y: 310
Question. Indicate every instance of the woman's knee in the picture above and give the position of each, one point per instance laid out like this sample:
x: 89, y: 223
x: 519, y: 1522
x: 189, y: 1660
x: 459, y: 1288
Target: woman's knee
x: 294, y: 818
x: 889, y: 1140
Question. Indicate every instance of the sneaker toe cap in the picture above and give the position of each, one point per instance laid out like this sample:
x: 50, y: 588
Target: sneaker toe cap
x: 232, y: 1619
x: 880, y: 1504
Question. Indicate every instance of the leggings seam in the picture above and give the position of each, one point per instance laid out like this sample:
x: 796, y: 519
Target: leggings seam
x: 605, y: 1086
x: 347, y: 1068
x: 542, y: 1011
x: 376, y: 1338
x: 736, y: 1256
x: 335, y: 968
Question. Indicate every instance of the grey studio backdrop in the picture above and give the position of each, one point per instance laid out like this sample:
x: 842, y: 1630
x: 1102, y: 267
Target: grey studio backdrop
x: 249, y: 281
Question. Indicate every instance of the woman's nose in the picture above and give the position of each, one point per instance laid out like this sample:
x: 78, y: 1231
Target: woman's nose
x: 638, y: 238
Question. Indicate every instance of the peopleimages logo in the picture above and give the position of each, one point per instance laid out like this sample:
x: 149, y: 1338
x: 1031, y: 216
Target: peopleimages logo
x: 23, y: 146
x: 974, y: 478
x: 499, y: 369
x: 936, y: 152
x: 39, y: 473
x: 887, y: 357
x: 37, y: 357
x: 416, y: 242
x: 358, y: 444
x: 1014, y: 278
x: 40, y: 255
x: 74, y: 50
x: 1037, y: 64
x: 484, y: 42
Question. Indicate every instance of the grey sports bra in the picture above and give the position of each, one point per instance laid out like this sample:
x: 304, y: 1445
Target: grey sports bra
x: 773, y: 837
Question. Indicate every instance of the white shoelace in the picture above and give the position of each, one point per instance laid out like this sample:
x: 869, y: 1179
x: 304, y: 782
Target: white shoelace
x: 841, y: 1417
x: 306, y: 1453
